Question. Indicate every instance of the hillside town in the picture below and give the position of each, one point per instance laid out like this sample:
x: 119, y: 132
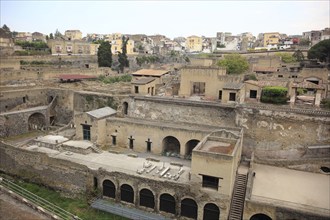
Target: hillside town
x: 136, y: 126
x: 73, y: 42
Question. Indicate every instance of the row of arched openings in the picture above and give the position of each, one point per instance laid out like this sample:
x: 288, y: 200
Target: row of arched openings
x: 171, y: 145
x: 189, y: 207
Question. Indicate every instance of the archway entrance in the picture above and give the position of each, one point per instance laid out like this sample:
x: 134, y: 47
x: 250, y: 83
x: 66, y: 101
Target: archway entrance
x: 260, y: 216
x: 167, y: 203
x: 190, y: 145
x: 211, y: 212
x: 37, y: 121
x: 109, y: 189
x: 127, y: 193
x: 189, y: 208
x: 147, y: 198
x: 171, y: 146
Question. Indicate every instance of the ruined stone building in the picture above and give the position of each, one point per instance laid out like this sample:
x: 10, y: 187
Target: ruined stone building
x: 202, y: 153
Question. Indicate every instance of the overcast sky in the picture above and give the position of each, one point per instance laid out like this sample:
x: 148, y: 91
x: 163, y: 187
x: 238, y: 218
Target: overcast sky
x: 170, y: 18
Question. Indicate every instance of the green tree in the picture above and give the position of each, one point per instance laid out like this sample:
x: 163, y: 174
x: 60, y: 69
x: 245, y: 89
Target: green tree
x: 234, y: 64
x: 104, y: 55
x: 286, y: 57
x: 51, y: 36
x: 320, y: 51
x: 6, y: 28
x: 304, y: 42
x: 58, y: 34
x: 298, y: 55
x: 122, y: 57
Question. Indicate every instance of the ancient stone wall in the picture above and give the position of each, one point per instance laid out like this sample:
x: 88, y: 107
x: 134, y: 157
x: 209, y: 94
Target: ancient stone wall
x: 273, y: 133
x: 21, y: 99
x: 37, y: 167
x: 20, y: 122
x: 182, y: 111
x: 87, y: 101
x: 178, y: 191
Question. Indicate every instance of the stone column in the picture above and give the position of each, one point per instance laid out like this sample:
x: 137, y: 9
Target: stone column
x: 318, y: 98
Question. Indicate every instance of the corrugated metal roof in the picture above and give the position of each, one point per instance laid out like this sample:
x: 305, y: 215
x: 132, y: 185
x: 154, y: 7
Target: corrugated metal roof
x: 102, y: 112
x: 233, y: 86
x: 150, y: 72
x: 143, y: 81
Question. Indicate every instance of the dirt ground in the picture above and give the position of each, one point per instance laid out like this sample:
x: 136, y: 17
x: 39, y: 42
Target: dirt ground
x: 11, y: 209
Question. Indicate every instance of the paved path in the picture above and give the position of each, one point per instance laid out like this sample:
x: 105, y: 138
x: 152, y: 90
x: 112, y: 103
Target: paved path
x: 124, y: 211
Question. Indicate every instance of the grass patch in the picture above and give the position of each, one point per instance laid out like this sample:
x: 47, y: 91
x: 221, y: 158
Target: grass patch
x: 30, y: 134
x: 77, y: 206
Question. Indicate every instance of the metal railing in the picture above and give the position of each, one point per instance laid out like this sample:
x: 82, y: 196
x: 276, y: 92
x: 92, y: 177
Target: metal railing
x: 54, y: 210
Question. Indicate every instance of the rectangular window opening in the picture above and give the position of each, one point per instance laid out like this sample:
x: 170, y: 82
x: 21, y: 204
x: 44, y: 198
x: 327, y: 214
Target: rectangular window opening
x: 86, y: 132
x: 253, y: 94
x: 220, y: 94
x: 232, y: 96
x: 136, y: 89
x: 210, y: 182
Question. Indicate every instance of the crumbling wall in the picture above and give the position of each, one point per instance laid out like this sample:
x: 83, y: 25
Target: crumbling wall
x: 87, y: 101
x: 182, y: 111
x: 37, y: 167
x: 275, y: 134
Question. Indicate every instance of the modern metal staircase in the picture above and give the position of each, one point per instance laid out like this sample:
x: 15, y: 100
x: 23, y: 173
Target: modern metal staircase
x: 237, y: 202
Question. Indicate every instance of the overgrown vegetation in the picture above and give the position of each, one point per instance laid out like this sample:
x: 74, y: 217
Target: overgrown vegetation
x: 32, y: 52
x: 325, y: 103
x: 274, y: 94
x: 147, y: 59
x: 36, y: 45
x: 234, y: 64
x: 41, y: 63
x: 114, y: 79
x: 78, y: 206
x: 250, y: 77
x: 286, y: 57
x: 320, y: 51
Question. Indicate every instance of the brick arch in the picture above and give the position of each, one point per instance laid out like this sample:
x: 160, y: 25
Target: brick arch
x: 211, y: 211
x: 147, y: 198
x: 127, y: 193
x: 167, y: 203
x: 260, y: 216
x: 189, y: 208
x: 171, y: 146
x: 36, y: 121
x: 109, y: 188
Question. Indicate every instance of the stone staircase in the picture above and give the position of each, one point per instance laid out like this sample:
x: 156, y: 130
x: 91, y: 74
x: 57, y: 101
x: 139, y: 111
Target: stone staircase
x: 96, y: 149
x: 237, y: 202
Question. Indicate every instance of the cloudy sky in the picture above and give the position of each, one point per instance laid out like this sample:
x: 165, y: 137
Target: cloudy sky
x: 170, y: 18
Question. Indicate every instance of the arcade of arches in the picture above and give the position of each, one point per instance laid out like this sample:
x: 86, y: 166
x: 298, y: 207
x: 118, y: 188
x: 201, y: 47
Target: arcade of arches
x: 171, y: 146
x: 167, y: 202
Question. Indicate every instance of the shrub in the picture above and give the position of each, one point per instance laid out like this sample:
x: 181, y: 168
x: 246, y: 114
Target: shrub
x: 274, y: 94
x: 121, y: 78
x: 325, y: 103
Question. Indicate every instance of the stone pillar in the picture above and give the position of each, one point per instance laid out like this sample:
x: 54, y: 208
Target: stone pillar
x: 293, y: 96
x: 318, y: 98
x: 156, y: 198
